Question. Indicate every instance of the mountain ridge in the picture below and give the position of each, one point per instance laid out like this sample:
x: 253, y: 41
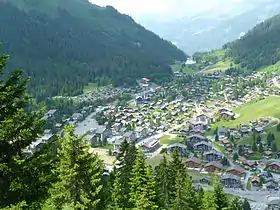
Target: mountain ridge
x: 66, y: 46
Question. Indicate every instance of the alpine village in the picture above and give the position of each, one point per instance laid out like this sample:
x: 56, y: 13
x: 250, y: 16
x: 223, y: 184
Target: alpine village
x: 97, y: 112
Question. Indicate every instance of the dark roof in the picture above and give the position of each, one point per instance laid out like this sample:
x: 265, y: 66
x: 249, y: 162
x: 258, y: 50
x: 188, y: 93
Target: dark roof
x: 194, y: 159
x: 178, y: 145
x: 236, y: 167
x: 274, y: 163
x: 100, y: 130
x: 230, y: 176
x: 217, y: 164
x: 223, y: 130
x: 197, y: 136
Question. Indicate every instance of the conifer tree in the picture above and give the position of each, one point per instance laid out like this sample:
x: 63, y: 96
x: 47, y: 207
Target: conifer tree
x: 18, y: 129
x: 209, y: 202
x: 236, y: 204
x: 163, y: 183
x: 175, y: 166
x: 220, y: 198
x: 142, y: 185
x: 246, y: 205
x: 184, y: 196
x: 126, y: 159
x: 79, y: 174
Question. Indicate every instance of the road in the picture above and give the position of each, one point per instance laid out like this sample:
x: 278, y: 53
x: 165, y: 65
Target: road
x: 87, y: 124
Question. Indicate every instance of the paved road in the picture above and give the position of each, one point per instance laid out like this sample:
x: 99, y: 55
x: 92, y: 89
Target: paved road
x: 87, y: 124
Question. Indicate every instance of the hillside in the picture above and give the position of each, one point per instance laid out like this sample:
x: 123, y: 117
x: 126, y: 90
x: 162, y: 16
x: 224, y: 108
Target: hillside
x: 260, y: 47
x: 65, y: 44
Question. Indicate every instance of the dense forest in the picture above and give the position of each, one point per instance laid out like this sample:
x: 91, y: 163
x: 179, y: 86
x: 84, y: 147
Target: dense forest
x: 260, y: 47
x: 65, y: 44
x: 66, y: 174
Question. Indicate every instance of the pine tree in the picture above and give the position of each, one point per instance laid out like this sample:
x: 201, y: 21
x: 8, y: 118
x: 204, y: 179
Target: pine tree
x: 216, y: 138
x: 254, y: 146
x: 126, y: 159
x: 209, y: 202
x: 269, y: 139
x: 184, y: 196
x: 235, y: 157
x: 142, y: 185
x: 18, y: 129
x: 246, y: 205
x: 175, y: 166
x: 236, y: 204
x: 260, y: 148
x: 163, y: 183
x: 274, y: 147
x: 278, y: 127
x: 220, y: 198
x: 79, y: 174
x: 259, y: 139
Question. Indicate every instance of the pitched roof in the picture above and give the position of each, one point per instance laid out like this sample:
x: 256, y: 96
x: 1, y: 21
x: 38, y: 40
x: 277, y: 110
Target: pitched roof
x: 236, y: 168
x: 194, y: 159
x: 217, y: 164
x: 230, y: 176
x: 178, y: 145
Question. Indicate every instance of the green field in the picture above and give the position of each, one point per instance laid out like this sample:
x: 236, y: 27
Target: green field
x: 187, y: 69
x: 269, y: 107
x: 272, y: 68
x: 169, y: 140
x: 90, y: 87
x: 268, y: 129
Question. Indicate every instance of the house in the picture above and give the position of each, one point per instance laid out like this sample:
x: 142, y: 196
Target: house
x: 235, y: 170
x: 51, y: 114
x: 271, y: 185
x: 255, y: 181
x: 181, y: 148
x: 196, y: 138
x: 212, y: 167
x: 204, y: 118
x: 273, y: 203
x: 231, y: 181
x: 198, y: 125
x: 130, y: 136
x: 117, y: 126
x: 259, y: 130
x: 202, y: 146
x: 212, y: 156
x: 91, y: 139
x: 141, y: 132
x: 103, y: 133
x: 274, y: 166
x: 117, y: 145
x: 193, y: 162
x: 222, y: 133
x: 77, y: 117
x: 39, y: 144
x: 205, y: 180
x: 152, y: 146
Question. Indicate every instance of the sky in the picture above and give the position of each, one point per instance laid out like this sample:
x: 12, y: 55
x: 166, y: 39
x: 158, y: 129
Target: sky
x: 161, y: 9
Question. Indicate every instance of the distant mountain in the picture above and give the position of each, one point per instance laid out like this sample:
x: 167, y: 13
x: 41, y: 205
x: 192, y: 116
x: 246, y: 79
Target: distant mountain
x: 215, y: 27
x: 260, y: 47
x: 65, y: 44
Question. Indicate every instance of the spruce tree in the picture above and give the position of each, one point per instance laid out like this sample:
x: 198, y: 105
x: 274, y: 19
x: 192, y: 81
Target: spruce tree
x: 18, y: 129
x: 274, y: 147
x: 163, y: 183
x: 220, y: 198
x: 246, y: 205
x: 79, y: 174
x: 142, y: 185
x: 260, y: 148
x: 209, y: 202
x: 126, y: 159
x: 278, y: 127
x: 254, y: 146
x: 184, y: 196
x: 236, y: 204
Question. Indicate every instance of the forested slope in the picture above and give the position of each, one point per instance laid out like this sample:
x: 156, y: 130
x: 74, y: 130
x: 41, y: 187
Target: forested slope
x: 260, y: 47
x: 65, y: 44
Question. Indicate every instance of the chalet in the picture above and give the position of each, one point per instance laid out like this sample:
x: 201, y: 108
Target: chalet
x: 235, y: 170
x: 205, y: 180
x: 213, y: 167
x: 152, y: 146
x: 268, y: 154
x: 202, y: 146
x: 91, y: 139
x: 230, y: 181
x: 193, y: 162
x: 196, y: 138
x: 130, y: 136
x: 259, y: 130
x: 77, y: 117
x: 273, y: 203
x: 274, y: 166
x: 204, y: 118
x: 271, y: 185
x: 181, y: 148
x: 39, y: 144
x: 244, y: 130
x: 197, y: 131
x: 117, y: 126
x: 198, y: 124
x: 103, y: 133
x: 212, y: 156
x: 51, y: 115
x: 222, y: 133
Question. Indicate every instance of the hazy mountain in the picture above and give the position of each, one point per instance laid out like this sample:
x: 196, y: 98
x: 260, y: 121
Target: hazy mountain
x: 215, y: 27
